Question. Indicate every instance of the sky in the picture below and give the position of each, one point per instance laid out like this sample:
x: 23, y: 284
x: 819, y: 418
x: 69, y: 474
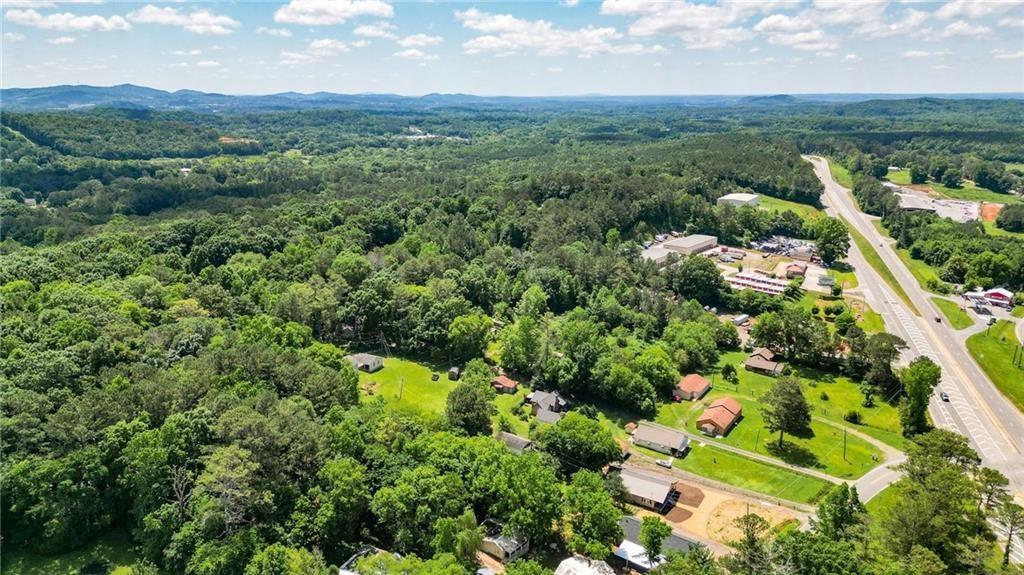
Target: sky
x: 566, y: 47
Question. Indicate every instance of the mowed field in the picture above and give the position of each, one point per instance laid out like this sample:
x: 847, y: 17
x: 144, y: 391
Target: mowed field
x: 823, y: 450
x: 994, y: 348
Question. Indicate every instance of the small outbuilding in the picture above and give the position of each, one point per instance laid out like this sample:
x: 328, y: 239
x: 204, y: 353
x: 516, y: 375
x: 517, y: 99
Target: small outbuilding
x: 501, y: 546
x: 505, y: 384
x: 691, y: 388
x: 719, y: 417
x: 515, y: 443
x: 454, y: 373
x: 366, y: 362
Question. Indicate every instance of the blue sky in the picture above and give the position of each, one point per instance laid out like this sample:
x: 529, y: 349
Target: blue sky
x: 520, y: 48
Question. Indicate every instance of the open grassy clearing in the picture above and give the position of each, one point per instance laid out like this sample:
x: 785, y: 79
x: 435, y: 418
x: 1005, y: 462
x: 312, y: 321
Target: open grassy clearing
x: 776, y: 205
x: 113, y: 549
x: 957, y: 317
x: 994, y: 349
x: 720, y: 465
x: 993, y: 230
x: 846, y: 278
x: 406, y: 386
x: 840, y: 174
x: 1018, y: 311
x: 875, y: 261
x: 972, y: 193
x: 901, y: 177
x: 830, y: 399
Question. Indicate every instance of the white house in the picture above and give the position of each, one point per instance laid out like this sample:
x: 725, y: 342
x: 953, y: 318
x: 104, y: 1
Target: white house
x: 740, y: 199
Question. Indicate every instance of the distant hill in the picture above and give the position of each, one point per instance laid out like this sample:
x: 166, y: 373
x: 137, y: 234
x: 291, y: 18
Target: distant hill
x: 130, y: 96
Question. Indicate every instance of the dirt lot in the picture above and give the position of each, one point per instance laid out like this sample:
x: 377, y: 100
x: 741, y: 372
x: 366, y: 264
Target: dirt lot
x: 722, y: 521
x: 989, y: 212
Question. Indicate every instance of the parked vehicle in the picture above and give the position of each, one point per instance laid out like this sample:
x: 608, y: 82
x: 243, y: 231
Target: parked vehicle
x: 944, y: 396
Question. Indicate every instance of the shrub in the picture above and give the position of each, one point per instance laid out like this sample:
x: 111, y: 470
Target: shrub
x: 853, y: 416
x: 824, y: 396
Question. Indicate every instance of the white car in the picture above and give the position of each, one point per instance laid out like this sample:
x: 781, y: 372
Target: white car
x: 666, y: 463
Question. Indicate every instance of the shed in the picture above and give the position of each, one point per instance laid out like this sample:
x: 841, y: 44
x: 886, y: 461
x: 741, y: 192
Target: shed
x: 454, y: 373
x: 366, y: 361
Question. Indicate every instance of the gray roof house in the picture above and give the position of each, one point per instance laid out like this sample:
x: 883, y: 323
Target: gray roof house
x: 547, y: 400
x: 648, y: 488
x: 660, y: 438
x: 366, y: 361
x: 515, y: 443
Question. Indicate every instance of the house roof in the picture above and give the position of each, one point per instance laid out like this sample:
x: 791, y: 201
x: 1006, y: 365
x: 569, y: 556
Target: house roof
x: 646, y: 484
x: 660, y: 435
x: 693, y: 383
x: 763, y: 352
x: 583, y: 566
x: 505, y: 381
x: 798, y: 265
x: 631, y: 531
x: 739, y: 196
x: 514, y: 442
x: 635, y: 554
x: 363, y: 357
x: 1000, y: 292
x: 758, y: 362
x: 551, y: 400
x: 723, y: 412
x: 548, y: 416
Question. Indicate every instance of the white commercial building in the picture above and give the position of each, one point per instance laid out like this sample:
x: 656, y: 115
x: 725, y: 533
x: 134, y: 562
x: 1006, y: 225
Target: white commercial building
x: 740, y: 199
x: 757, y: 282
x: 682, y: 246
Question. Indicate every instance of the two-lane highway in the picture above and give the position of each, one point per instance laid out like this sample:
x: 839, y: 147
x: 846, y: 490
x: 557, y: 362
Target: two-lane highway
x: 976, y: 408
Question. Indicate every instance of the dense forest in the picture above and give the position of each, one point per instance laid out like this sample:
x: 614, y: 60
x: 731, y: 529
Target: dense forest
x: 179, y: 302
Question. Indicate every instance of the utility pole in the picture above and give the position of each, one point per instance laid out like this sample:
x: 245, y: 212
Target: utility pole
x: 844, y: 444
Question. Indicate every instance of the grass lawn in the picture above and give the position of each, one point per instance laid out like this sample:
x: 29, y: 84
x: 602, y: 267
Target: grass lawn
x: 719, y: 465
x: 970, y: 192
x: 1018, y: 311
x: 846, y: 279
x: 957, y: 317
x: 115, y: 548
x: 840, y: 174
x: 776, y: 205
x: 993, y: 230
x: 870, y: 321
x: 901, y: 177
x: 823, y: 451
x: 921, y: 271
x: 994, y: 353
x: 875, y: 261
x: 405, y: 385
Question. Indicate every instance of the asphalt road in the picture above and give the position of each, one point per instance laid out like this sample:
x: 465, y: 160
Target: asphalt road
x: 976, y: 409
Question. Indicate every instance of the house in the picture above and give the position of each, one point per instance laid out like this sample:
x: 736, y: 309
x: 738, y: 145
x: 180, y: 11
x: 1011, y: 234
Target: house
x: 999, y: 297
x: 739, y: 199
x: 504, y: 384
x: 30, y: 202
x: 648, y: 488
x: 516, y: 444
x: 719, y: 417
x: 763, y: 360
x: 549, y: 417
x: 740, y: 319
x: 632, y: 553
x: 500, y: 545
x: 366, y: 361
x: 691, y: 388
x: 802, y: 252
x: 547, y: 401
x: 660, y: 438
x: 185, y: 171
x: 796, y: 269
x: 579, y: 565
x: 454, y: 373
x: 630, y: 427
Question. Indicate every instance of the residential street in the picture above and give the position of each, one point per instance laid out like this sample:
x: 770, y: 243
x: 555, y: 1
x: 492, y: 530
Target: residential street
x: 976, y: 408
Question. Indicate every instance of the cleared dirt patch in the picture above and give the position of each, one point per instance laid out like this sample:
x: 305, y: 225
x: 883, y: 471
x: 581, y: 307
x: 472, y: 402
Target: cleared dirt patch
x: 689, y: 495
x: 722, y: 522
x: 678, y: 515
x: 989, y: 212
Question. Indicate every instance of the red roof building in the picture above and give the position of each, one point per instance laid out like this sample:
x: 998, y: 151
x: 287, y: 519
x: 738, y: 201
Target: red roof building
x: 505, y: 384
x: 720, y: 416
x: 691, y: 388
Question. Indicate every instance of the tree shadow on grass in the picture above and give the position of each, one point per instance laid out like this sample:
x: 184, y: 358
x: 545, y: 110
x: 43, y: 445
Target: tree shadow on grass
x: 793, y: 454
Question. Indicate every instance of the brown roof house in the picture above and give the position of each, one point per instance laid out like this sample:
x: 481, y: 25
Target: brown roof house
x: 763, y: 360
x: 504, y: 384
x: 796, y: 269
x: 719, y: 417
x: 691, y: 388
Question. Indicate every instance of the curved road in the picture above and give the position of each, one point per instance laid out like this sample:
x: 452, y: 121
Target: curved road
x: 976, y: 408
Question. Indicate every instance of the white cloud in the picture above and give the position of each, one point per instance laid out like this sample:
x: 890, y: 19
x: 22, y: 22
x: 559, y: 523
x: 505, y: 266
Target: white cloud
x: 197, y: 21
x: 13, y: 37
x: 554, y: 70
x: 925, y: 54
x: 849, y: 12
x: 908, y: 25
x: 851, y: 58
x: 62, y: 40
x: 414, y: 54
x: 361, y: 43
x: 571, y: 3
x: 66, y: 21
x: 784, y: 23
x: 179, y: 65
x: 208, y: 64
x: 279, y: 32
x: 326, y: 12
x: 1012, y: 22
x: 314, y: 52
x: 961, y: 28
x: 193, y: 52
x: 976, y: 8
x: 378, y: 30
x: 419, y: 40
x: 44, y: 3
x: 813, y: 41
x: 1001, y: 54
x: 699, y: 25
x: 505, y: 34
